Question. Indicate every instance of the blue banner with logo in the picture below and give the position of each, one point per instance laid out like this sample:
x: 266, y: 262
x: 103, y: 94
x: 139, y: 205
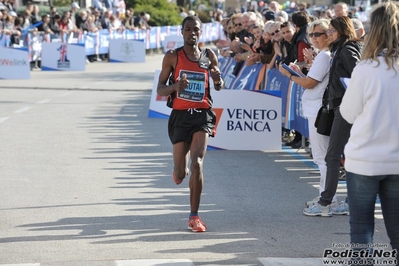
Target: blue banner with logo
x: 247, y: 78
x: 296, y: 118
x: 278, y: 82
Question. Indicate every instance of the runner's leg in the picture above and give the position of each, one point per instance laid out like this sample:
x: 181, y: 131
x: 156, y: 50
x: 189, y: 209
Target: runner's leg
x: 197, y: 154
x: 180, y: 159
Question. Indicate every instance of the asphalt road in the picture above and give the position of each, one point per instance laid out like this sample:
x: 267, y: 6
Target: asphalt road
x: 86, y: 181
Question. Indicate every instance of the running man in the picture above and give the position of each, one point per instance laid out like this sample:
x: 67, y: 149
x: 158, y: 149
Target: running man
x: 192, y: 119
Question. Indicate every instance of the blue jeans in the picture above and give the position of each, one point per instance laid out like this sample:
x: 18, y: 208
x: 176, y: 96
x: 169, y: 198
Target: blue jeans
x: 362, y: 193
x: 338, y: 138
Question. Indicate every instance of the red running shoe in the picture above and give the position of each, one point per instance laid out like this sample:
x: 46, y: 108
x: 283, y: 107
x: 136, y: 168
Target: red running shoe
x: 196, y: 225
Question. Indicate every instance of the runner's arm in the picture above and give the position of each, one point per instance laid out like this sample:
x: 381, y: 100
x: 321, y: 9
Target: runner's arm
x: 168, y: 64
x: 215, y: 71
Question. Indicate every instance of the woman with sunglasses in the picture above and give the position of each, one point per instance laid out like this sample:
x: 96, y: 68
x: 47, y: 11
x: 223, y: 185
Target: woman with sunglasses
x: 372, y: 151
x: 315, y: 83
x: 345, y: 54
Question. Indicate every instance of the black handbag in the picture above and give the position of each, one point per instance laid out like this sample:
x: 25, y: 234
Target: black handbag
x: 325, y: 117
x: 324, y: 121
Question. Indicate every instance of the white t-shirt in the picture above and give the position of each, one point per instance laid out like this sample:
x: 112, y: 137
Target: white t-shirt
x: 312, y: 98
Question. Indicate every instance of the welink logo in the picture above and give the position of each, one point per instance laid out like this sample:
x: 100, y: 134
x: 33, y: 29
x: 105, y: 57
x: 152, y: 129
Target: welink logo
x: 63, y: 62
x: 12, y: 62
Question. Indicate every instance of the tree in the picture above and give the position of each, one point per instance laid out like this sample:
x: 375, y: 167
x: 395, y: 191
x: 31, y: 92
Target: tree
x: 162, y: 12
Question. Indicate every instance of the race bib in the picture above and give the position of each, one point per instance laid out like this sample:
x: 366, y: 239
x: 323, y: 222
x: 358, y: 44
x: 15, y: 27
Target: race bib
x: 195, y: 92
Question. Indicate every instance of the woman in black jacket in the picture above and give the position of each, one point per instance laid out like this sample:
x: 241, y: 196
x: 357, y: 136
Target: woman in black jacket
x: 345, y: 54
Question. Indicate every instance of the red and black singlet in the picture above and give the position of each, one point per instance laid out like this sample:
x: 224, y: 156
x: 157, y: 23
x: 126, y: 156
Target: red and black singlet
x: 197, y: 95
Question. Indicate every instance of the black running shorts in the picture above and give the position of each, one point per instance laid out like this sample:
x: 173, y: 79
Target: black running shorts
x: 184, y: 123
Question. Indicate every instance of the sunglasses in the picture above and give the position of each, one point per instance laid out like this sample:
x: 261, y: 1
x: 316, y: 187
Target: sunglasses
x: 316, y: 34
x: 238, y: 24
x: 330, y: 31
x: 275, y: 32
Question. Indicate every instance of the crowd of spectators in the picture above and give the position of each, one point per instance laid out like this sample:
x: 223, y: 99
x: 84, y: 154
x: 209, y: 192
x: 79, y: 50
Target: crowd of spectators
x: 102, y: 15
x: 273, y: 37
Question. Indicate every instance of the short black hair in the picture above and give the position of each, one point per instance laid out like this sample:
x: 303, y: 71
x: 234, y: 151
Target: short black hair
x: 192, y: 18
x: 300, y: 18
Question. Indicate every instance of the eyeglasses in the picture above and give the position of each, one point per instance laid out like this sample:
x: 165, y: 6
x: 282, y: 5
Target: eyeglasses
x: 316, y: 34
x: 331, y: 31
x: 238, y: 24
x: 275, y: 32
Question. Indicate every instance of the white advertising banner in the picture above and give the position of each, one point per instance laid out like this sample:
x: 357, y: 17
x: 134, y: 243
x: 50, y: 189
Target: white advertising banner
x: 246, y: 120
x: 172, y: 42
x: 158, y: 108
x: 132, y: 51
x: 14, y: 63
x: 63, y: 57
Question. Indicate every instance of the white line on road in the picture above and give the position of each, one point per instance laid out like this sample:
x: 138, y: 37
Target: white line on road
x: 43, y: 101
x: 290, y: 261
x: 153, y: 262
x: 25, y: 264
x: 2, y: 119
x: 23, y: 109
x: 293, y: 160
x: 298, y: 169
x: 65, y: 94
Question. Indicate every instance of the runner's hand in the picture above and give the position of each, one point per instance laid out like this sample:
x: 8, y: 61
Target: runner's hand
x: 183, y: 83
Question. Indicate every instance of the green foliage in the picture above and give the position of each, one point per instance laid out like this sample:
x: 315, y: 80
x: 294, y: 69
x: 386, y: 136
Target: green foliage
x: 45, y: 9
x: 62, y: 3
x: 162, y: 12
x: 203, y: 16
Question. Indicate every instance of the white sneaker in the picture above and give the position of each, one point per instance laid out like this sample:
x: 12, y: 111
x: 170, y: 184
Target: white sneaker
x: 318, y: 210
x: 312, y: 202
x: 341, y: 209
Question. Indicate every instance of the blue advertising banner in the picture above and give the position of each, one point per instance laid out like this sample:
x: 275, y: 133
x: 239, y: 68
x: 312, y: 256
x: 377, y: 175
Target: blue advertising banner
x: 278, y: 82
x: 247, y: 78
x: 296, y: 118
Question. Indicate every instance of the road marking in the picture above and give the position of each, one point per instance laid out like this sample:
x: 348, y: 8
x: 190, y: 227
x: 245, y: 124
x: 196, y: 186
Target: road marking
x: 23, y: 109
x: 25, y: 264
x: 65, y: 94
x: 2, y: 119
x: 298, y: 169
x: 43, y: 101
x: 170, y: 262
x: 293, y: 160
x: 310, y: 177
x: 290, y: 261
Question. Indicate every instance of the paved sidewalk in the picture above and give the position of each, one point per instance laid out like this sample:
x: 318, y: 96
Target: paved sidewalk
x: 98, y: 76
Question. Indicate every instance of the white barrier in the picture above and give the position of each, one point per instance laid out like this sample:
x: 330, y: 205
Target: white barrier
x: 121, y: 50
x: 172, y: 42
x: 63, y: 57
x: 246, y: 120
x: 14, y: 63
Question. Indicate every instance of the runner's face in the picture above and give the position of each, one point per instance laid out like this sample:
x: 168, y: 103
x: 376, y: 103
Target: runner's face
x: 191, y: 32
